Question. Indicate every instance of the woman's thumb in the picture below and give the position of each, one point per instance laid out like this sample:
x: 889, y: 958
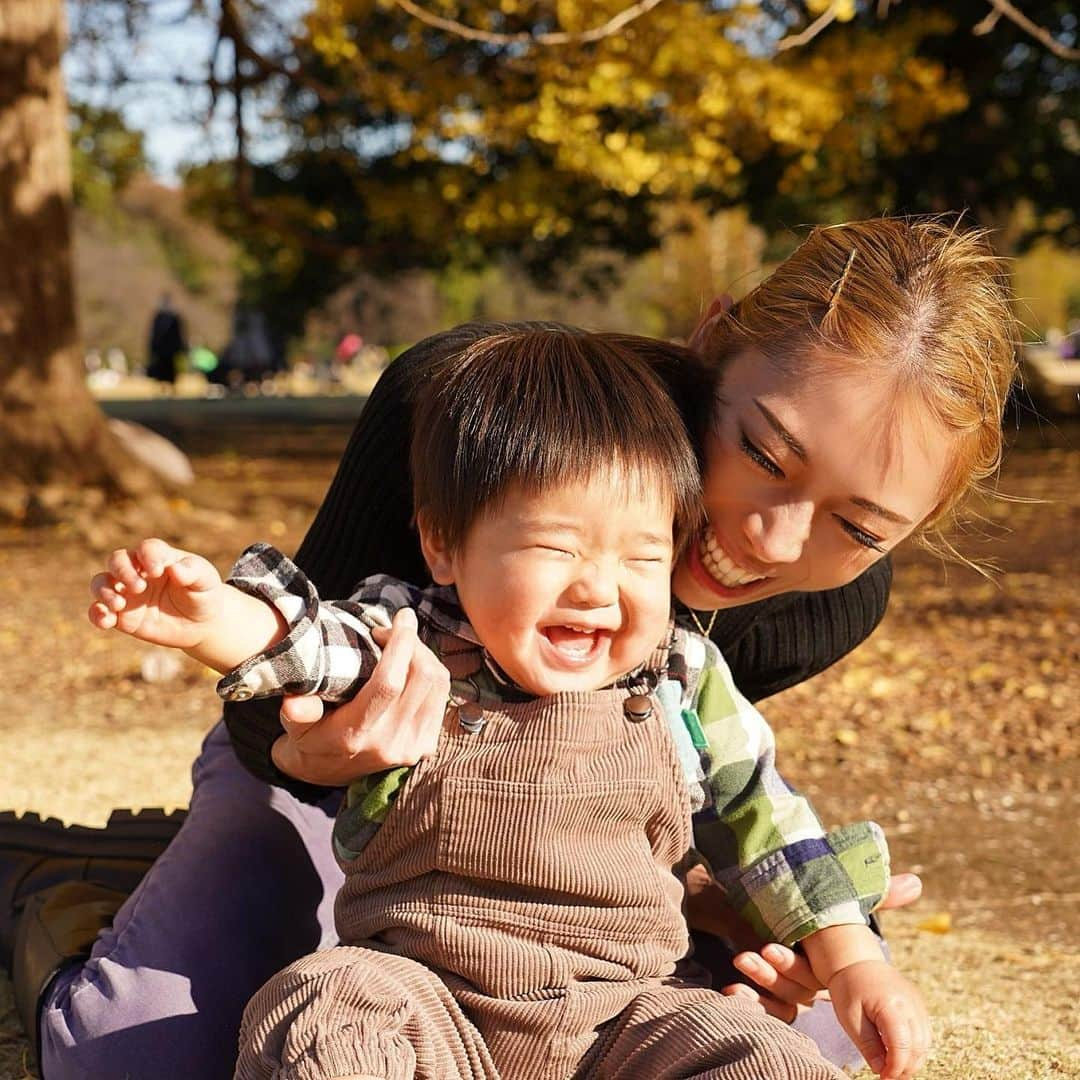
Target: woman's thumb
x: 300, y: 712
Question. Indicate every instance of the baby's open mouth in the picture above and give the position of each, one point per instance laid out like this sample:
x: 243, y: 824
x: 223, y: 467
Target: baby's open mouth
x: 574, y: 643
x: 721, y: 566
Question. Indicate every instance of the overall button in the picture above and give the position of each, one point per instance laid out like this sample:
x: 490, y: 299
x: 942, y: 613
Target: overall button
x: 638, y: 708
x: 471, y: 717
x: 240, y: 693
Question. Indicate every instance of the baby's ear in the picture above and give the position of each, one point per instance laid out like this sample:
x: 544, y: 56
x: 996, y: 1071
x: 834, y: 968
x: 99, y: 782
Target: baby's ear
x: 437, y: 553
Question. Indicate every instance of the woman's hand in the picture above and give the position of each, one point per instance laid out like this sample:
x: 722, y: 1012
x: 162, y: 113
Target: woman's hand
x: 394, y: 720
x: 785, y: 980
x: 785, y: 983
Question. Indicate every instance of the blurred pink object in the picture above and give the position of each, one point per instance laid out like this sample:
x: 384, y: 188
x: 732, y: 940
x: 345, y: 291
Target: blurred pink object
x: 348, y: 347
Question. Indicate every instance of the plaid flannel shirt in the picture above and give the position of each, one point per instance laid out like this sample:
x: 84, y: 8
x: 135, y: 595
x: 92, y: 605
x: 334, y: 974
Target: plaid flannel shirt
x: 781, y: 870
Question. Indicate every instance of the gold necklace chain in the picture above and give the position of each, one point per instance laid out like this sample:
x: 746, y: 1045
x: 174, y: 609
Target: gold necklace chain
x: 705, y: 631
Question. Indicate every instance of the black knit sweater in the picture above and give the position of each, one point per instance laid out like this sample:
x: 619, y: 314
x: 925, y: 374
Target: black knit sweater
x: 363, y: 527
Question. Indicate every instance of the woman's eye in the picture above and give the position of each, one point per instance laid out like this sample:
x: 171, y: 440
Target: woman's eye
x: 860, y: 536
x: 759, y: 457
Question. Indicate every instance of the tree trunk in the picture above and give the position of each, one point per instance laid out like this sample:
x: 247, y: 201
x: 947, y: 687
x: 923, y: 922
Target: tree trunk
x: 51, y: 429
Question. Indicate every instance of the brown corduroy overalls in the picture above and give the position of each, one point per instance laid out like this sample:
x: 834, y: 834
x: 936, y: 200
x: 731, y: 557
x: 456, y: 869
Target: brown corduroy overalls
x: 517, y: 917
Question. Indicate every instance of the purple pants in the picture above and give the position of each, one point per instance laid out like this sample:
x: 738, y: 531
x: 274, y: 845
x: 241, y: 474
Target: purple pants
x: 246, y: 888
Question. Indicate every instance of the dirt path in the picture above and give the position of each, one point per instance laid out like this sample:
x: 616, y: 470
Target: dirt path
x: 956, y: 726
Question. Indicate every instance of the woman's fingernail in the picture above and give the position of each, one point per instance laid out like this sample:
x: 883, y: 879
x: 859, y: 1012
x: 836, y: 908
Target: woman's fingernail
x: 877, y: 1064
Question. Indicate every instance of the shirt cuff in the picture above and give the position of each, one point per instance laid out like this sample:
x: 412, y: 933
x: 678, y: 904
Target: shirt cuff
x: 833, y: 880
x: 298, y: 663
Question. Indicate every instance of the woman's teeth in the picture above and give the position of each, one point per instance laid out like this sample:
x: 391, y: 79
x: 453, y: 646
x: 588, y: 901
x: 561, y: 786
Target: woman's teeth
x: 720, y: 565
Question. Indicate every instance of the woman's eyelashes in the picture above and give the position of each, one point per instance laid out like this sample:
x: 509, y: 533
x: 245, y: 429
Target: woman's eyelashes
x: 764, y: 462
x: 860, y: 536
x: 759, y: 457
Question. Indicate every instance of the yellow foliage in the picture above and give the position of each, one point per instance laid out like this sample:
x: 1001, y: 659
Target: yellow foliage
x: 673, y: 105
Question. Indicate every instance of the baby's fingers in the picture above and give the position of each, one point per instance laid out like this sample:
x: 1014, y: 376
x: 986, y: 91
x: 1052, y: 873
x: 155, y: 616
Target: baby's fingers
x: 107, y: 602
x: 193, y: 573
x: 153, y: 557
x: 101, y: 616
x: 906, y: 1042
x: 126, y: 571
x: 103, y: 588
x: 898, y: 1050
x: 869, y: 1044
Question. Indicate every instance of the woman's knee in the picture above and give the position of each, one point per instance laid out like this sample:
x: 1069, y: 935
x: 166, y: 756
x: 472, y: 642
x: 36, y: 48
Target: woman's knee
x: 106, y: 1021
x: 245, y: 887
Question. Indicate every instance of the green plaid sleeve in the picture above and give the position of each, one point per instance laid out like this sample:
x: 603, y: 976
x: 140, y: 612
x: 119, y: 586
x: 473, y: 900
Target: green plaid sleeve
x: 782, y: 872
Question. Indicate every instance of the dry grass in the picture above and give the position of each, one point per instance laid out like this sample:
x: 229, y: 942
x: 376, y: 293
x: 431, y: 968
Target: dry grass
x: 956, y: 726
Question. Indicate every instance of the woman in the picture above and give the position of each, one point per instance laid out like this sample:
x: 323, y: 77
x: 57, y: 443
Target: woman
x: 859, y: 395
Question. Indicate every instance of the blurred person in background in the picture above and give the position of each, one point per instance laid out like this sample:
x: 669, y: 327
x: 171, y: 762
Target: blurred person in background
x: 167, y: 342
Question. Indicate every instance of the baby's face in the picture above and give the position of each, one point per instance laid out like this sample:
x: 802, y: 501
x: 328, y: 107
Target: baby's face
x: 568, y: 589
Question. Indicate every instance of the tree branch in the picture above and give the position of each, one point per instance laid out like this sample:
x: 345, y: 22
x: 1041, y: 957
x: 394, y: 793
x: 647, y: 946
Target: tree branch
x: 452, y: 26
x: 793, y: 41
x: 1041, y: 34
x: 998, y: 9
x: 984, y: 26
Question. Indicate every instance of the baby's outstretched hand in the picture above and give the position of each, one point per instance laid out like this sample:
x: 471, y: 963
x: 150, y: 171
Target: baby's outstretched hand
x: 157, y: 593
x: 885, y: 1016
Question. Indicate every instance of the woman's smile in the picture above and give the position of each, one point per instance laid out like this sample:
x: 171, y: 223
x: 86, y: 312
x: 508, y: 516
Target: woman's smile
x: 714, y: 569
x: 721, y: 566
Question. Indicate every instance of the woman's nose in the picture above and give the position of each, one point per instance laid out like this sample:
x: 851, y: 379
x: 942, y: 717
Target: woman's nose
x: 595, y: 584
x: 778, y: 534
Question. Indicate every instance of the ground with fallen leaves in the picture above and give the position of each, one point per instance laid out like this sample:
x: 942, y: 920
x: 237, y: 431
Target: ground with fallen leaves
x: 956, y: 726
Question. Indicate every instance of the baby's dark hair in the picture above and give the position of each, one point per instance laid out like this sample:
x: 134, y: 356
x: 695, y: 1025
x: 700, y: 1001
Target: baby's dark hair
x: 541, y: 408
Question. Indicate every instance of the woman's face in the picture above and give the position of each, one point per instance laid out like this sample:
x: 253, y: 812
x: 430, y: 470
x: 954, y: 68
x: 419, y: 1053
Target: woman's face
x: 809, y: 478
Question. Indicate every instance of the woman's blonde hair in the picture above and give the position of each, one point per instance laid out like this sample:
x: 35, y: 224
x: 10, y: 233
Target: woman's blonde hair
x: 920, y: 300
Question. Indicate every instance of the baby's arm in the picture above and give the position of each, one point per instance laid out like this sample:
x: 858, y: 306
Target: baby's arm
x: 166, y: 596
x: 882, y: 1012
x: 795, y: 883
x: 762, y: 840
x: 328, y: 649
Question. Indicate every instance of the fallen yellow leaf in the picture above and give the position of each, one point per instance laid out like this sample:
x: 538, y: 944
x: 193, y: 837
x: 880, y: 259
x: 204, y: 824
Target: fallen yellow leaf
x: 938, y: 923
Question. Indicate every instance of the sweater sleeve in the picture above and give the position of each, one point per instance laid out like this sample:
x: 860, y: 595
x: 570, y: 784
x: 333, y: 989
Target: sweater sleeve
x: 793, y: 641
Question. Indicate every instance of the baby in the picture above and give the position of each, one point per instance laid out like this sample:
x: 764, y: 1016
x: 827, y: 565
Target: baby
x: 512, y: 906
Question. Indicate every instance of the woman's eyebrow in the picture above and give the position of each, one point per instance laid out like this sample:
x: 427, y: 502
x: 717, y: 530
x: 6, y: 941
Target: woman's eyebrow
x: 799, y: 451
x: 793, y: 444
x: 880, y: 511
